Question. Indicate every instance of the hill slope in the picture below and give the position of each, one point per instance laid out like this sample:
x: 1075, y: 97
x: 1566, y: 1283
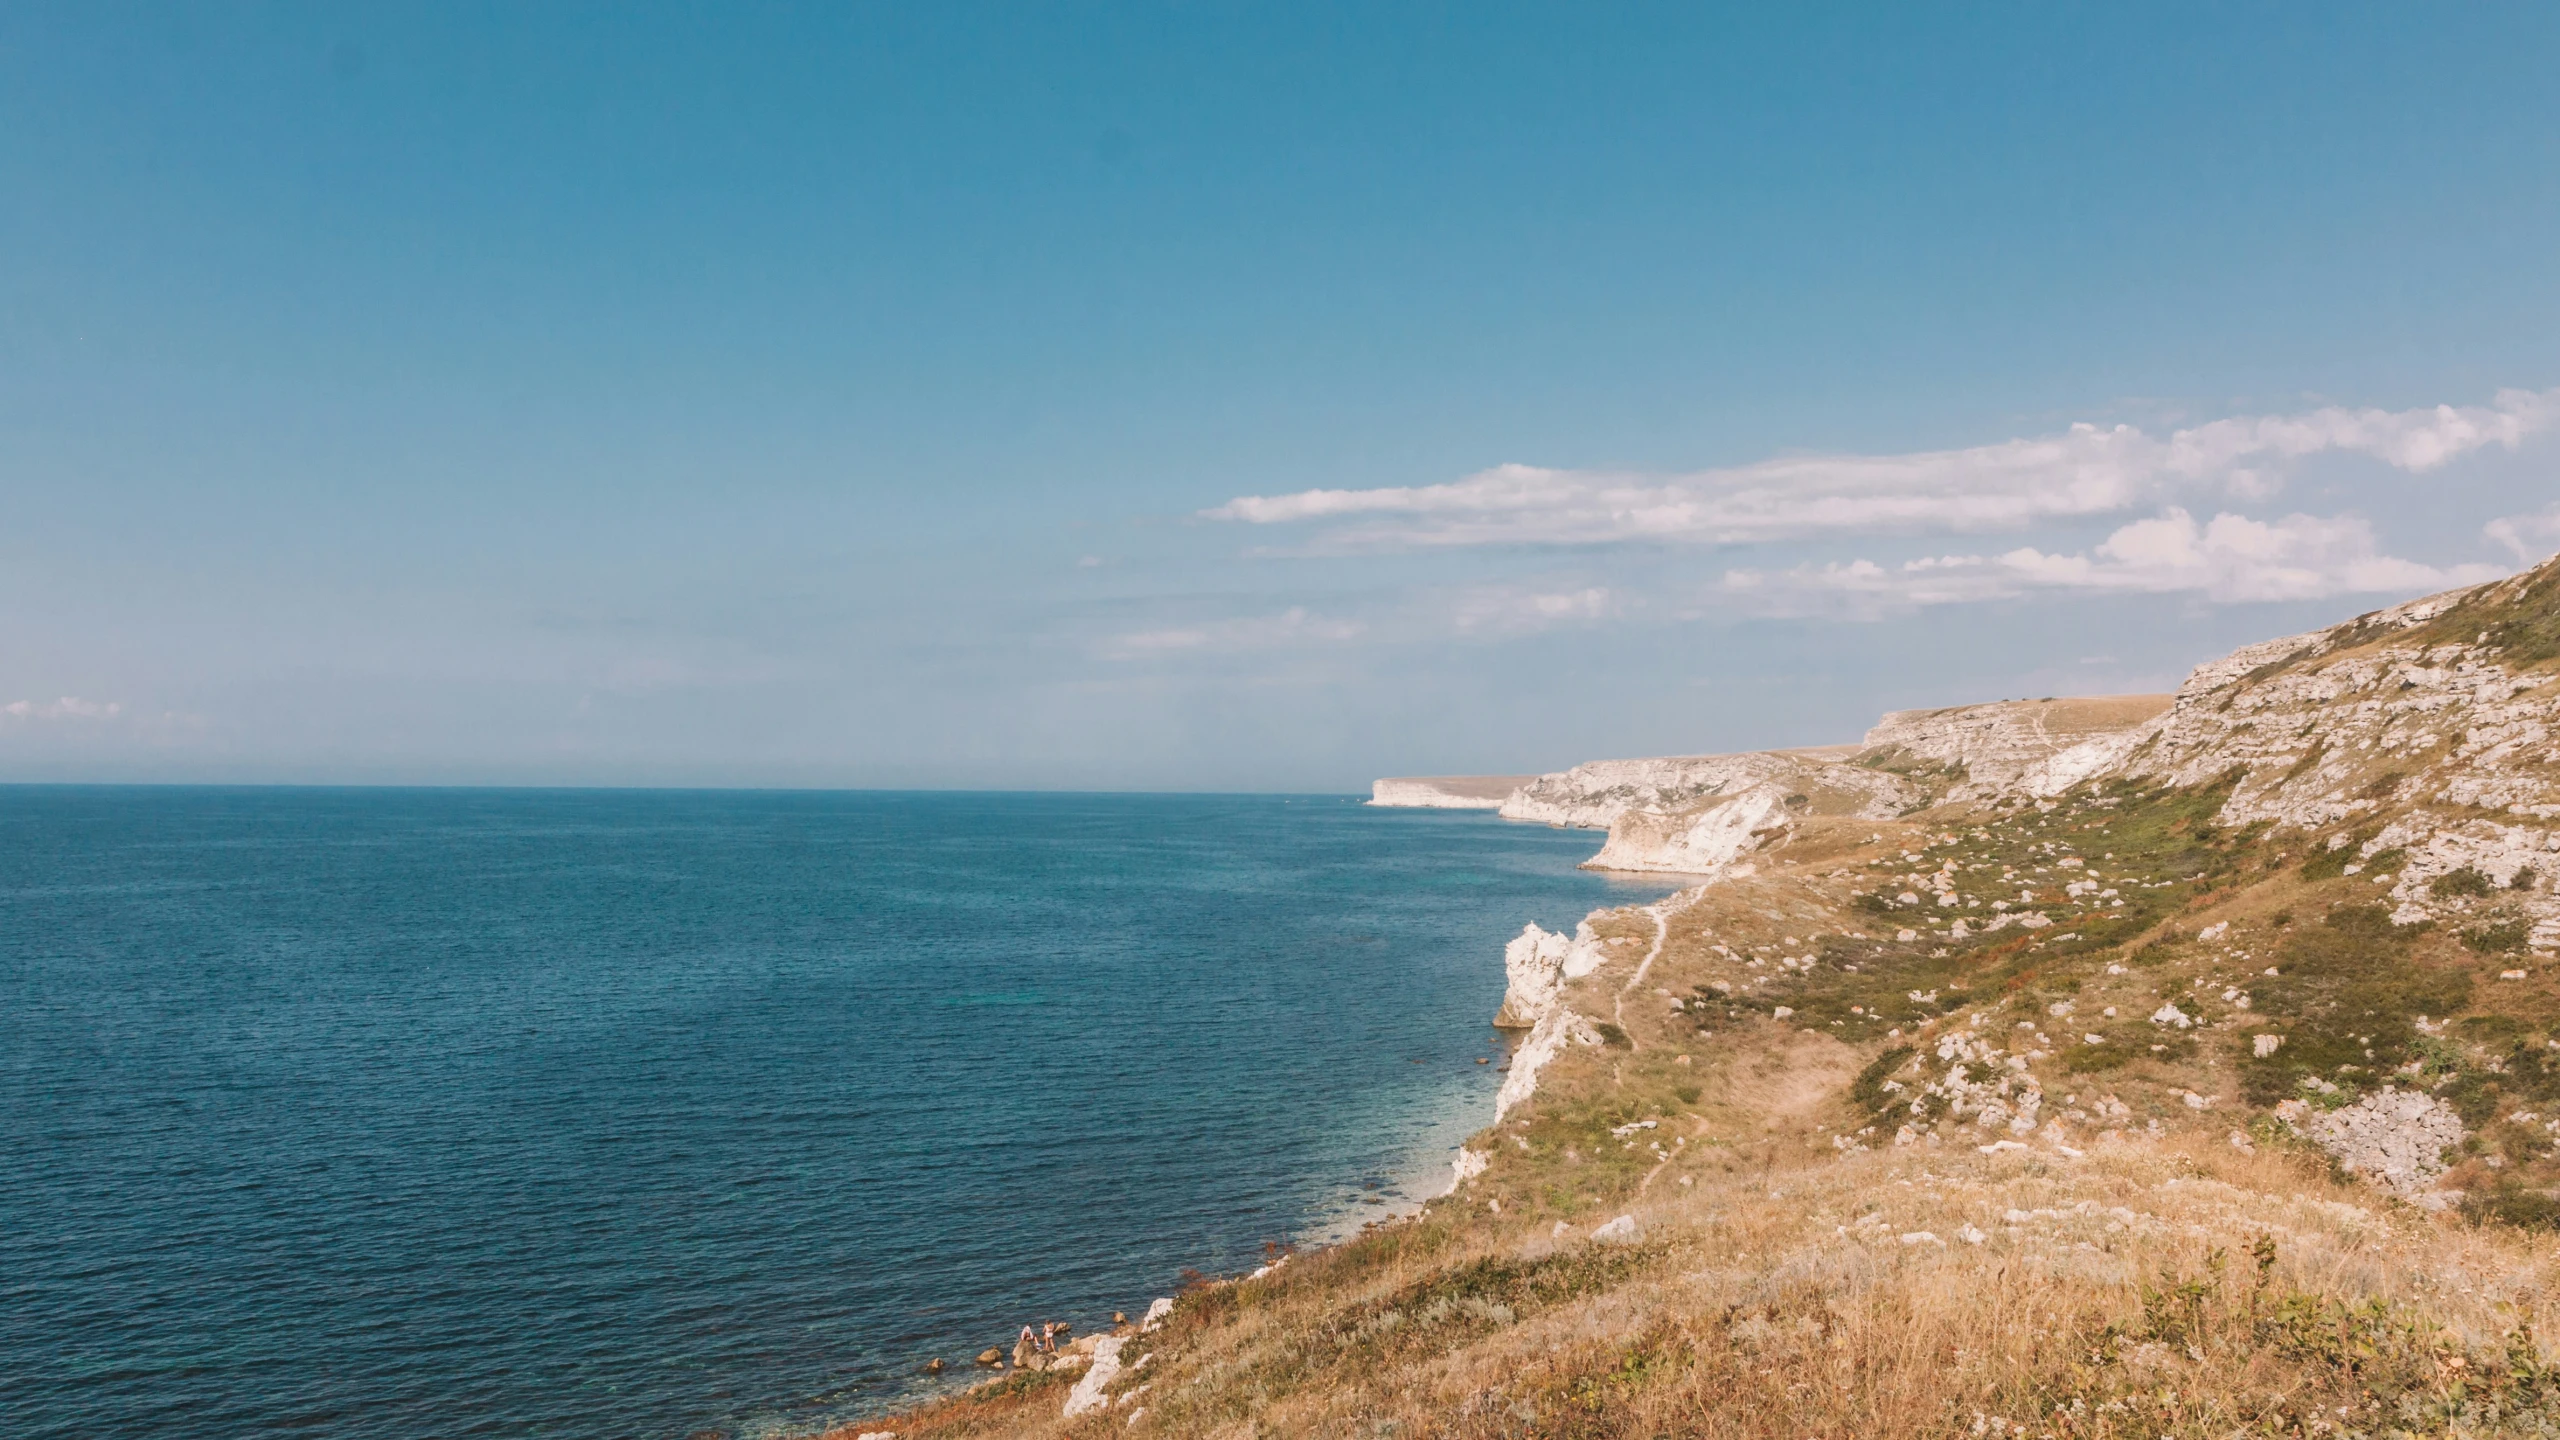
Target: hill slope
x: 2197, y: 1076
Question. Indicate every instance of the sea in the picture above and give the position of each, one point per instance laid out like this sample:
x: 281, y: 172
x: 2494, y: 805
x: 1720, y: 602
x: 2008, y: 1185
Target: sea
x: 421, y: 1113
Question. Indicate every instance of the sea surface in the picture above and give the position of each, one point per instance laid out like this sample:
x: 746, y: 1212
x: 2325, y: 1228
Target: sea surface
x: 426, y: 1113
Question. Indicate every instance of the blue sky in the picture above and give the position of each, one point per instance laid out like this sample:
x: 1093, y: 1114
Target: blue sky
x: 1226, y: 396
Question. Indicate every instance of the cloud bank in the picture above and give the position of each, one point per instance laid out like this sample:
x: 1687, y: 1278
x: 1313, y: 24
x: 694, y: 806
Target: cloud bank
x: 2228, y: 558
x: 2085, y: 471
x: 69, y: 707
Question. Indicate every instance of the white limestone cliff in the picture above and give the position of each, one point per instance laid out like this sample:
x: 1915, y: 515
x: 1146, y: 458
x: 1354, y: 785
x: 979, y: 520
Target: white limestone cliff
x: 1535, y: 966
x: 1446, y: 792
x: 1561, y: 1026
x: 1786, y: 787
x: 1994, y: 748
x: 1593, y: 794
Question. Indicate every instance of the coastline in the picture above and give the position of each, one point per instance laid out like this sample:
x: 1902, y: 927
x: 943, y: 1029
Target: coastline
x: 1902, y: 1124
x: 1422, y: 1172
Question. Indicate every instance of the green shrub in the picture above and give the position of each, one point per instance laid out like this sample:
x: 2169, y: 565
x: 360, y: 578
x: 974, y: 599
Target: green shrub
x: 2094, y: 1059
x: 2330, y: 863
x: 2503, y: 936
x: 1868, y: 1089
x: 2466, y: 881
x: 2347, y: 998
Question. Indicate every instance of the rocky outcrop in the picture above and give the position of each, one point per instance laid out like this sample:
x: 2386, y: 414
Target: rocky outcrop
x: 1535, y: 966
x: 1088, y: 1396
x: 1594, y: 794
x: 1995, y: 749
x: 2411, y: 730
x: 2395, y: 1138
x: 1696, y: 814
x: 1446, y: 792
x: 1559, y: 1027
x: 1773, y: 791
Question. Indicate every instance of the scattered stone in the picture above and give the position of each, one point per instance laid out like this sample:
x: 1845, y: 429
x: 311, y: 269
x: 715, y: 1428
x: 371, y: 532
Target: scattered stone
x: 1621, y: 1231
x: 991, y: 1356
x: 2396, y: 1138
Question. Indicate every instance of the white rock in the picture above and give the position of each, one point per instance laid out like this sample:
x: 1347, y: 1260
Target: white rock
x: 1087, y: 1397
x: 2396, y: 1138
x: 1468, y: 1165
x: 1621, y: 1231
x: 1447, y: 792
x: 1560, y: 1027
x: 1156, y: 1313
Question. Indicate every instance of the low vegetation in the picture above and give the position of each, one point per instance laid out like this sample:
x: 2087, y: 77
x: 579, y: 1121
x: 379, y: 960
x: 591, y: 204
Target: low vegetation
x: 2016, y: 1120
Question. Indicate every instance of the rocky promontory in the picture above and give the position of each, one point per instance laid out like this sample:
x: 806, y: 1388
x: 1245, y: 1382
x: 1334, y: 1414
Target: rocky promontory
x: 1446, y: 792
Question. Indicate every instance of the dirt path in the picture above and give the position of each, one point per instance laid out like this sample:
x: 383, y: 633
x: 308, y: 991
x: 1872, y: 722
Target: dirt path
x: 1661, y: 910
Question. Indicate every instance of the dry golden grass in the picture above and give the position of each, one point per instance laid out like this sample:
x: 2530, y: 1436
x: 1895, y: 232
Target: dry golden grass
x: 2127, y: 1271
x: 2114, y: 1294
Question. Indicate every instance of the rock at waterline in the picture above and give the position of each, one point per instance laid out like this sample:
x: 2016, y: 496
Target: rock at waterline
x: 1117, y: 1318
x: 991, y: 1356
x: 933, y: 1366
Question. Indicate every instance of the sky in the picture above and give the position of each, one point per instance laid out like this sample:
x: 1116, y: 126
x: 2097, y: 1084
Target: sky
x: 1226, y: 396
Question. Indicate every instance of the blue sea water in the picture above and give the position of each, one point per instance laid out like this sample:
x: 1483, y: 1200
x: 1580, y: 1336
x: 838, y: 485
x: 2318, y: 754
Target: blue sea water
x: 556, y: 1113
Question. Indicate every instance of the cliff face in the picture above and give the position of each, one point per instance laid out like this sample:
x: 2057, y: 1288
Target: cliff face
x: 1698, y: 815
x: 2429, y: 732
x: 1593, y: 794
x: 1446, y: 792
x: 1988, y: 750
x: 1769, y: 795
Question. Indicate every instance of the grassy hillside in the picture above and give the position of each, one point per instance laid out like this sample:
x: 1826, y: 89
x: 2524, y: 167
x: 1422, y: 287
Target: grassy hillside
x: 2096, y: 1115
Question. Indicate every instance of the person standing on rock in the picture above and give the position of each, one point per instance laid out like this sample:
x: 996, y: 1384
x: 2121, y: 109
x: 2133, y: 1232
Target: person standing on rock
x: 1025, y: 1346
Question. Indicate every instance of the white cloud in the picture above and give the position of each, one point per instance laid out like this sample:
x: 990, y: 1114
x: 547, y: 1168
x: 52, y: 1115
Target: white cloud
x: 69, y: 707
x: 2086, y: 470
x: 1515, y: 612
x: 2531, y: 537
x: 2229, y: 558
x: 1295, y: 626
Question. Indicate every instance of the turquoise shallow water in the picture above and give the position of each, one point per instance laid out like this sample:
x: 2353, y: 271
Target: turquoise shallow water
x: 525, y: 1113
